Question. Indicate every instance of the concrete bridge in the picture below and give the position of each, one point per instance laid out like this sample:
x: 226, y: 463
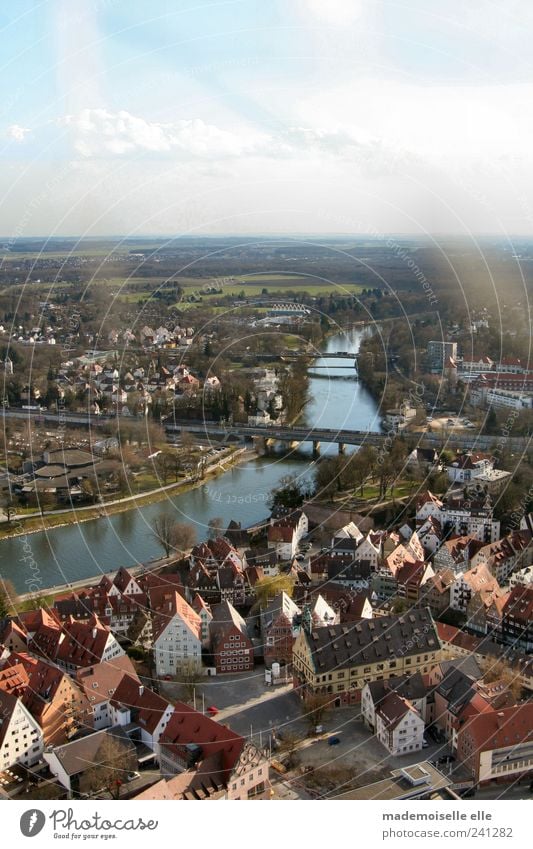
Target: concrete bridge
x: 294, y: 435
x: 282, y: 433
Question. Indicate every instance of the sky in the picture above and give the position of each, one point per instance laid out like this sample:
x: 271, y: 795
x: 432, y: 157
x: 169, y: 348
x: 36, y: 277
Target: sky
x: 129, y: 117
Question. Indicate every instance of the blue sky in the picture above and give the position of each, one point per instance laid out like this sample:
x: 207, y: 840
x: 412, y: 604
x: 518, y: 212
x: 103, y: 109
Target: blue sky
x: 265, y: 116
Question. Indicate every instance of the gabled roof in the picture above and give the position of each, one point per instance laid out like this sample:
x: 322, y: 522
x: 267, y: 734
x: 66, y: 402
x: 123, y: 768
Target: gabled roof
x: 80, y: 755
x: 122, y: 579
x: 84, y: 643
x: 101, y: 680
x: 393, y: 708
x: 147, y: 708
x: 176, y: 606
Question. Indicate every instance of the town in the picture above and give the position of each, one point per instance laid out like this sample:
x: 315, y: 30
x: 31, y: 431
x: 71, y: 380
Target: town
x: 320, y: 583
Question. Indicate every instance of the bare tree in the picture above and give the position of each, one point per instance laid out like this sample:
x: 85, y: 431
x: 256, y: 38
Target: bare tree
x: 173, y: 536
x: 215, y: 526
x: 8, y: 506
x: 114, y: 759
x: 189, y: 674
x: 315, y: 707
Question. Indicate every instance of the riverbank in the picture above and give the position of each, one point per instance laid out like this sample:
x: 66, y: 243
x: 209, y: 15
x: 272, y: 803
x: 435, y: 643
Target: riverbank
x: 63, y: 518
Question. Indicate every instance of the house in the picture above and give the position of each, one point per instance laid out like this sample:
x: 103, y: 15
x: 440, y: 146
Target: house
x: 341, y: 569
x: 282, y: 538
x: 50, y: 695
x: 503, y: 556
x: 99, y: 683
x: 455, y: 553
x: 177, y: 635
x: 460, y: 516
x: 399, y: 725
x: 279, y: 537
x: 517, y: 618
x: 348, y: 604
x: 339, y: 660
x: 76, y: 644
x: 231, y: 646
x: 436, y: 591
x: 76, y: 764
x: 13, y: 636
x: 479, y: 580
x: 133, y: 704
x: 496, y: 746
x: 21, y: 739
x: 430, y: 535
x: 210, y: 754
x: 410, y: 687
x: 411, y: 578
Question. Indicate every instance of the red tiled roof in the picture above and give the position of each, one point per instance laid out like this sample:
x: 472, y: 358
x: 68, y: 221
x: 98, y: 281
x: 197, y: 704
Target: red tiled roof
x: 147, y: 707
x: 500, y: 729
x: 187, y: 726
x: 175, y: 605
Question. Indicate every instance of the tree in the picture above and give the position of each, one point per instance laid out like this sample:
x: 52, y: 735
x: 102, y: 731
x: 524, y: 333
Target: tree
x: 189, y: 674
x: 215, y: 526
x: 290, y: 494
x: 500, y: 670
x: 267, y: 588
x: 315, y: 707
x: 173, y: 536
x: 4, y: 603
x: 491, y: 422
x: 113, y: 760
x: 8, y: 506
x: 89, y: 490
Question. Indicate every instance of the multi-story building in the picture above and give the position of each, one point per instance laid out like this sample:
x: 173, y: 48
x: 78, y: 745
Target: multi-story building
x: 497, y: 746
x: 231, y: 646
x: 517, y: 619
x: 461, y: 516
x: 177, y: 634
x: 438, y: 352
x: 21, y: 739
x: 399, y: 725
x: 51, y: 696
x: 99, y: 683
x: 410, y: 687
x: 338, y: 661
x: 211, y: 755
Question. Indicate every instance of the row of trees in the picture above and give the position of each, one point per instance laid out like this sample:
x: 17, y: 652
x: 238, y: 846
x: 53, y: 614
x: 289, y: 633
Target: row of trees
x: 355, y: 471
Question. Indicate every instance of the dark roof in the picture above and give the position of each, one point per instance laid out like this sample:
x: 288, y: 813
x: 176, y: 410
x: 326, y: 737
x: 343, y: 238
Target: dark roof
x: 372, y: 640
x: 82, y: 754
x: 407, y: 686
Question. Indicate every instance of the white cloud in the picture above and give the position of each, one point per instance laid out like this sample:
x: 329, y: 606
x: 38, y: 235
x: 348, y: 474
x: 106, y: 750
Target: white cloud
x: 99, y: 132
x: 17, y: 133
x: 335, y: 12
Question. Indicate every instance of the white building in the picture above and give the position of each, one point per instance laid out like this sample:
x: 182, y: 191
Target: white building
x: 177, y: 634
x: 399, y: 726
x: 467, y: 467
x: 21, y: 739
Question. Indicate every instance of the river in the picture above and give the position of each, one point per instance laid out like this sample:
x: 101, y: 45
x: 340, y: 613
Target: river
x: 74, y: 552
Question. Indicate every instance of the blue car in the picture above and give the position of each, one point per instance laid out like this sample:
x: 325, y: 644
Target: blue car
x: 333, y: 741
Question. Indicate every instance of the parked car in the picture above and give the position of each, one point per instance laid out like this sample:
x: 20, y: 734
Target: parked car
x: 212, y: 710
x: 333, y: 741
x: 133, y: 775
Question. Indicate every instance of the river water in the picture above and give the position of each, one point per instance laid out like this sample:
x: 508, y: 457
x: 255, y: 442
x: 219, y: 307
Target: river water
x: 60, y: 555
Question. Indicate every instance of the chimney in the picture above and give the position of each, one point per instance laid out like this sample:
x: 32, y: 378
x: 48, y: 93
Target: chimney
x: 95, y: 630
x: 141, y: 690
